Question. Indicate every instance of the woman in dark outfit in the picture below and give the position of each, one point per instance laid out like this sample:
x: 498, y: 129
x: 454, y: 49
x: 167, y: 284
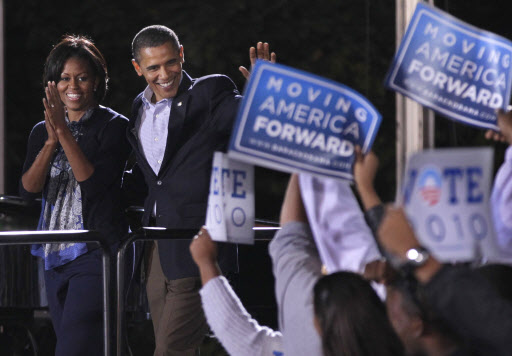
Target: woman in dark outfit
x: 75, y: 160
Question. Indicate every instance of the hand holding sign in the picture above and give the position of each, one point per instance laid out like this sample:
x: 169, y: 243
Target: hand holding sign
x: 446, y: 196
x: 291, y: 120
x: 203, y: 249
x: 230, y: 213
x: 343, y: 238
x: 453, y: 68
x: 505, y: 125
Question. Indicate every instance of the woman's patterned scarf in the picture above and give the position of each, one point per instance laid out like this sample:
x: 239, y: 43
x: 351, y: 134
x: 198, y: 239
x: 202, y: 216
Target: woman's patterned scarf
x: 62, y: 208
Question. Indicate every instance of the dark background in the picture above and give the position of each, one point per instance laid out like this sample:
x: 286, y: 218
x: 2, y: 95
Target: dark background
x: 349, y: 41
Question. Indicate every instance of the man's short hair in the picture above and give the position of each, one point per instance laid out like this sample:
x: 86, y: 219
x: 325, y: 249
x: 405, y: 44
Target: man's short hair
x: 153, y: 36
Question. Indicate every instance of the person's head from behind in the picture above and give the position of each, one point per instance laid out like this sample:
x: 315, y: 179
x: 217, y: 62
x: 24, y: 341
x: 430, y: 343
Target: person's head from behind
x: 158, y: 57
x: 499, y: 276
x: 421, y: 332
x: 79, y: 70
x: 350, y: 317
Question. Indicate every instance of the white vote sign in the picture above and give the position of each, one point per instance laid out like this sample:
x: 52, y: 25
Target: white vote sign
x: 230, y: 213
x: 446, y: 197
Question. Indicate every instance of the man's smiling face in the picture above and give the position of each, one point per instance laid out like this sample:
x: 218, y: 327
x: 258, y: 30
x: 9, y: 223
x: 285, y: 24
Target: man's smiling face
x: 162, y: 68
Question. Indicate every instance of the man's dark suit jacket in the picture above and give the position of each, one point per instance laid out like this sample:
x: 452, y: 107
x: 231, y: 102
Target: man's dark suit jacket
x: 202, y: 116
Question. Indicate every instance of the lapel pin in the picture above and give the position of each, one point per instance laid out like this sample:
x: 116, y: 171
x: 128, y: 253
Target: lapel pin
x: 179, y: 104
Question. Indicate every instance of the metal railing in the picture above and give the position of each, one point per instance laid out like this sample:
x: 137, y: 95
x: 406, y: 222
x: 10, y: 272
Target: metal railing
x: 41, y: 237
x: 263, y: 232
x: 146, y: 233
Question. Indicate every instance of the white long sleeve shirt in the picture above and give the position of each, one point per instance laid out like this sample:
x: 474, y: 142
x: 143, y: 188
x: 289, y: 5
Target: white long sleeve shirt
x: 236, y: 330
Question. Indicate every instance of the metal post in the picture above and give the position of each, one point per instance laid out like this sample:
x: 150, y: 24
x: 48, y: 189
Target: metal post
x: 414, y: 124
x: 40, y: 237
x: 105, y: 254
x: 120, y: 323
x: 264, y: 233
x: 2, y: 85
x: 146, y: 233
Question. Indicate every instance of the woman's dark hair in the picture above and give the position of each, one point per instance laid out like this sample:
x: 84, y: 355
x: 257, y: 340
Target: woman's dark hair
x: 352, y: 318
x: 72, y: 46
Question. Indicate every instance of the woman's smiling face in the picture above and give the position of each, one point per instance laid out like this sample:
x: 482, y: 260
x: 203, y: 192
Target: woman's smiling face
x: 76, y: 85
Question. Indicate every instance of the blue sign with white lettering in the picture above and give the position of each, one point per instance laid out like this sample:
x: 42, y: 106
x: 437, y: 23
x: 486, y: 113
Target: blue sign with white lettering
x: 459, y: 71
x: 291, y: 120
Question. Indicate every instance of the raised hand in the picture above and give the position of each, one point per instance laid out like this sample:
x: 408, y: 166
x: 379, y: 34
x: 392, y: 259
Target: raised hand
x: 54, y: 107
x: 56, y: 116
x: 52, y: 136
x: 203, y: 248
x: 505, y: 125
x: 261, y: 51
x: 379, y: 271
x: 204, y: 254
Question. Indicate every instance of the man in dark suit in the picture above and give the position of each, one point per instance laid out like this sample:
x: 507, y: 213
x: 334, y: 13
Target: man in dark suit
x: 177, y: 123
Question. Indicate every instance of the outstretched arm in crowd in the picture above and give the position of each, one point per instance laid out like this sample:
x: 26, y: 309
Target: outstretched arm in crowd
x: 204, y: 254
x: 463, y: 298
x: 293, y: 208
x: 296, y: 266
x: 229, y: 320
x: 365, y: 169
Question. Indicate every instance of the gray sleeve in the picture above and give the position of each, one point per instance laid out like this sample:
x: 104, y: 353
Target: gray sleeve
x: 297, y: 267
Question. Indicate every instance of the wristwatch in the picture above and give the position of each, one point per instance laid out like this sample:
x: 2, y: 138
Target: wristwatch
x: 415, y: 257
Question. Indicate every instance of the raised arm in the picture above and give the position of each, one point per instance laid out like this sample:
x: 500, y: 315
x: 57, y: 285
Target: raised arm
x: 293, y: 208
x: 459, y: 295
x: 238, y: 332
x: 396, y: 236
x: 82, y: 168
x: 365, y: 169
x: 296, y: 265
x: 204, y: 254
x: 34, y: 178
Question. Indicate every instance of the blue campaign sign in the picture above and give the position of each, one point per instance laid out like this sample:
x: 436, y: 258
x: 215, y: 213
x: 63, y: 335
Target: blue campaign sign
x: 459, y: 71
x: 291, y: 120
